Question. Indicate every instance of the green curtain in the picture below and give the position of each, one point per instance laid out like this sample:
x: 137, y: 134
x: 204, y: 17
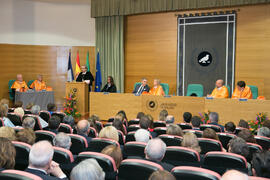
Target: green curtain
x: 110, y: 44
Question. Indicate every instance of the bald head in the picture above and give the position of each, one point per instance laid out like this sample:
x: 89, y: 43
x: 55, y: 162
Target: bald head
x: 219, y: 83
x: 19, y: 77
x: 155, y: 149
x: 39, y: 77
x: 83, y: 127
x: 233, y: 174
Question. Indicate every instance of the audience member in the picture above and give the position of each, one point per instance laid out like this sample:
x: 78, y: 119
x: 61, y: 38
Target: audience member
x: 123, y: 113
x: 3, y: 115
x: 29, y: 122
x: 169, y: 119
x: 174, y: 129
x: 145, y: 124
x: 51, y: 108
x: 8, y: 132
x: 87, y: 169
x: 35, y: 111
x: 213, y: 117
x: 163, y: 114
x: 18, y: 104
x: 187, y: 117
x: 196, y: 122
x: 4, y: 101
x: 230, y: 127
x: 266, y: 123
x: 41, y: 164
x: 115, y: 152
x: 264, y: 131
x: 161, y: 175
x: 26, y: 135
x: 29, y: 106
x: 118, y: 124
x: 19, y: 111
x: 83, y: 129
x: 142, y: 135
x: 190, y: 140
x: 247, y: 136
x: 109, y: 132
x: 139, y: 115
x: 54, y: 123
x: 210, y: 134
x: 243, y: 124
x: 233, y: 174
x: 62, y: 140
x: 151, y: 119
x: 92, y: 120
x: 7, y: 154
x: 68, y: 119
x: 155, y: 151
x: 261, y: 164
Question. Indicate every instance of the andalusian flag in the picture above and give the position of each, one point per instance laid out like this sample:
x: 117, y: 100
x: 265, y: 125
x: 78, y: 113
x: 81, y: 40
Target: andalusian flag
x: 78, y: 66
x: 87, y: 61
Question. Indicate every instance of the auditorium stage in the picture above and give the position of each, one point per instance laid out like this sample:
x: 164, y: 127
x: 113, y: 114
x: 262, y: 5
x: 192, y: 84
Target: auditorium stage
x: 107, y: 105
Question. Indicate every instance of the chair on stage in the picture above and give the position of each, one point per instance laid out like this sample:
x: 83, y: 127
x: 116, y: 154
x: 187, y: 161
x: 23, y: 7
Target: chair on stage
x: 166, y: 88
x: 11, y: 91
x: 254, y: 90
x: 195, y: 89
x: 30, y: 83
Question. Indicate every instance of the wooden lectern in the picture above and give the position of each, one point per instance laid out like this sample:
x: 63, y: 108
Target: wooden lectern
x: 82, y: 94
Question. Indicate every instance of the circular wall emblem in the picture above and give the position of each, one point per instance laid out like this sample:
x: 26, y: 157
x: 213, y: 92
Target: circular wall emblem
x: 205, y: 58
x: 75, y: 90
x: 152, y: 105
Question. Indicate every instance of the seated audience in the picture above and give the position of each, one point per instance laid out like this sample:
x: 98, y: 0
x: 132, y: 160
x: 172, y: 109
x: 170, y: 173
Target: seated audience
x: 161, y: 175
x: 261, y: 164
x: 264, y: 131
x: 242, y: 91
x: 39, y: 84
x: 145, y: 124
x: 18, y: 104
x: 35, y: 111
x: 92, y: 120
x: 110, y: 86
x: 41, y: 164
x: 29, y: 106
x: 157, y: 89
x: 233, y: 174
x: 151, y: 119
x: 139, y: 115
x: 118, y: 124
x: 266, y: 123
x: 169, y: 119
x: 19, y: 111
x: 115, y: 152
x: 220, y: 90
x: 26, y: 135
x: 187, y: 117
x: 87, y: 169
x: 51, y: 108
x: 62, y: 140
x: 54, y: 123
x: 3, y: 115
x: 210, y: 134
x: 155, y: 151
x: 175, y: 130
x: 83, y: 129
x: 213, y: 117
x: 163, y: 114
x: 123, y: 114
x: 109, y: 132
x: 8, y: 132
x: 19, y: 85
x: 243, y: 124
x: 28, y: 122
x: 69, y: 120
x: 4, y: 101
x: 230, y: 127
x: 7, y: 154
x: 142, y: 135
x: 196, y: 122
x: 141, y: 88
x: 247, y: 136
x: 190, y: 140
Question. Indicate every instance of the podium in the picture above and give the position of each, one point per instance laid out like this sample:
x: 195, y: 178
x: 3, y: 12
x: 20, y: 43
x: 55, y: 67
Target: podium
x: 82, y: 94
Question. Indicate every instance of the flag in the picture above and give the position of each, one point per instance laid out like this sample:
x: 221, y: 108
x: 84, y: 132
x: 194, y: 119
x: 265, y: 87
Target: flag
x: 98, y: 81
x: 70, y: 76
x: 87, y: 61
x: 78, y: 66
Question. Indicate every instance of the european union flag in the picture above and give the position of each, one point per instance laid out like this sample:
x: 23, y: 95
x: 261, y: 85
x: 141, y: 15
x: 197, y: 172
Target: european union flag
x: 98, y: 81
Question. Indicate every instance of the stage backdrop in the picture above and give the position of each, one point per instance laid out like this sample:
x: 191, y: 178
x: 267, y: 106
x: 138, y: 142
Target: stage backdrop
x: 205, y: 50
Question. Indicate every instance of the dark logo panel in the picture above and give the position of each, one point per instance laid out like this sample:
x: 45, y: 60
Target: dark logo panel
x: 205, y: 58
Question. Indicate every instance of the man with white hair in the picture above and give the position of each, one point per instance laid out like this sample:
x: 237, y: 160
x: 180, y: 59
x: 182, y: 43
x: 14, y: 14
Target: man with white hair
x: 19, y: 85
x: 28, y: 122
x: 142, y: 135
x: 62, y: 140
x: 233, y: 174
x: 155, y: 151
x: 41, y: 164
x: 220, y: 91
x: 264, y: 131
x: 169, y: 119
x: 35, y: 111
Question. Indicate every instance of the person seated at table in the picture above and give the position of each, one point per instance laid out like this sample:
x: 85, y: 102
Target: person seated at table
x: 19, y: 85
x: 141, y: 88
x: 85, y: 76
x: 242, y: 91
x: 110, y: 86
x: 220, y: 91
x: 39, y: 84
x: 157, y: 89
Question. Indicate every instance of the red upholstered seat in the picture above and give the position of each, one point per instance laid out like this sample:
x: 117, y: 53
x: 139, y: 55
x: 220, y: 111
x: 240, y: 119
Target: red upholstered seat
x: 225, y: 138
x: 61, y: 115
x: 98, y: 144
x: 159, y: 124
x: 15, y: 119
x: 22, y: 153
x: 208, y: 145
x: 214, y: 127
x: 264, y: 142
x: 257, y: 178
x: 121, y: 137
x: 1, y: 122
x: 44, y: 135
x: 134, y: 149
x: 133, y: 127
x: 160, y: 130
x: 62, y: 156
x: 45, y: 115
x: 99, y: 125
x: 79, y: 143
x: 184, y: 126
x: 133, y: 121
x: 92, y: 132
x: 18, y: 175
x: 253, y: 148
x: 196, y: 132
x: 66, y: 128
x: 171, y: 140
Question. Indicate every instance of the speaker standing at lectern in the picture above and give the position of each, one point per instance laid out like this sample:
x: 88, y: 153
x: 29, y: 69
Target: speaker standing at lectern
x: 85, y: 76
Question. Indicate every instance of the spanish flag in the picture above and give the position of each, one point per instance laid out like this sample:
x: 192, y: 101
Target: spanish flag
x: 78, y: 66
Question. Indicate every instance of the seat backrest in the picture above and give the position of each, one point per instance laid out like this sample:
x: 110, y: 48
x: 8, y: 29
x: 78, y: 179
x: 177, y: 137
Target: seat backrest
x: 160, y: 130
x: 1, y: 122
x: 66, y: 128
x: 30, y: 82
x: 108, y: 124
x: 121, y: 137
x: 99, y: 125
x: 184, y: 126
x: 159, y: 124
x: 137, y: 83
x: 62, y: 156
x: 208, y: 145
x: 18, y: 175
x: 179, y: 156
x: 17, y: 129
x: 92, y: 132
x: 98, y: 144
x: 194, y: 173
x: 196, y: 132
x: 225, y: 138
x: 79, y: 143
x: 61, y: 115
x: 45, y: 115
x: 229, y: 90
x: 44, y: 135
x: 22, y: 153
x: 134, y: 127
x: 130, y: 136
x: 166, y: 88
x: 133, y: 121
x: 220, y: 162
x: 11, y: 93
x: 171, y: 140
x: 238, y: 129
x: 253, y: 148
x: 254, y: 90
x: 27, y: 111
x: 257, y: 178
x: 15, y: 119
x: 214, y: 127
x: 196, y: 89
x: 134, y: 149
x: 263, y: 141
x: 134, y: 169
x: 37, y: 122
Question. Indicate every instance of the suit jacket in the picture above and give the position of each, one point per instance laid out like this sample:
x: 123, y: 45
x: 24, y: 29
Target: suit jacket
x: 111, y: 89
x: 166, y: 166
x: 88, y: 139
x: 146, y: 88
x: 87, y: 76
x: 222, y: 127
x: 43, y: 175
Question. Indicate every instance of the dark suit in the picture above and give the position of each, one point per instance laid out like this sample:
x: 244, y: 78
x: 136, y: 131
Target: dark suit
x: 222, y: 127
x: 107, y: 88
x: 137, y: 87
x: 88, y: 139
x: 87, y: 76
x: 166, y: 166
x: 42, y: 174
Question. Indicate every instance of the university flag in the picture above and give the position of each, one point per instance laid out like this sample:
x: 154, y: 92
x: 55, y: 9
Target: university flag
x: 70, y: 76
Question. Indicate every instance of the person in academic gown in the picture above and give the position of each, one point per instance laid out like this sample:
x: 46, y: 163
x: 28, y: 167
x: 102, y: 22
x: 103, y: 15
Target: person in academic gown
x: 157, y: 89
x: 141, y: 88
x: 38, y: 84
x: 220, y: 91
x: 242, y: 91
x: 19, y: 85
x: 110, y: 86
x: 85, y: 76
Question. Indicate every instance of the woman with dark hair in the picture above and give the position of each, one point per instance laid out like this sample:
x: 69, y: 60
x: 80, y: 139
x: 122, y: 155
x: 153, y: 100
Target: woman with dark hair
x: 110, y: 86
x: 7, y: 154
x: 118, y: 124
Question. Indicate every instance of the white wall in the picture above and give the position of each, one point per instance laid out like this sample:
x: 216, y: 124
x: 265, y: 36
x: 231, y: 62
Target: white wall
x: 47, y: 22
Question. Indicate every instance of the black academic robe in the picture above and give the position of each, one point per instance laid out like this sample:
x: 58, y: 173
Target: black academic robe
x: 87, y: 76
x: 110, y: 89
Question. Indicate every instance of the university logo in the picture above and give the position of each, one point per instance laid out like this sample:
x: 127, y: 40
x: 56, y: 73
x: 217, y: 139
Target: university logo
x: 152, y: 105
x: 205, y: 58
